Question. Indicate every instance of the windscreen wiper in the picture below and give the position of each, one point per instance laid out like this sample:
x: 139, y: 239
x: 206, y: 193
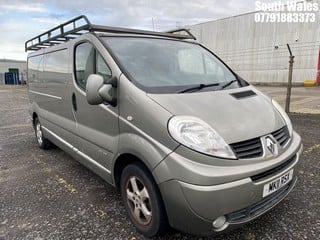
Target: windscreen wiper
x: 198, y: 87
x: 228, y: 84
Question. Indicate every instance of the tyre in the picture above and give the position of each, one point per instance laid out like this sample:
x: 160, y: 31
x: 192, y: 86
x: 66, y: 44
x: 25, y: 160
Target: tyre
x: 41, y: 140
x: 142, y: 200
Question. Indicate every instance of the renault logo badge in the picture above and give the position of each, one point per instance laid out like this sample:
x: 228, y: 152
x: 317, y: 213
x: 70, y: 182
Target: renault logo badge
x: 271, y: 145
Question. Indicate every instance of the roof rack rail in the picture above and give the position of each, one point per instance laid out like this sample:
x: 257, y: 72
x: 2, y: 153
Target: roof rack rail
x: 73, y: 28
x: 58, y: 34
x: 180, y: 30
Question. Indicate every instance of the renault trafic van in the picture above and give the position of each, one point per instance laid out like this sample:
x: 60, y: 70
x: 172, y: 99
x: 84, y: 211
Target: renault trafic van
x: 186, y: 141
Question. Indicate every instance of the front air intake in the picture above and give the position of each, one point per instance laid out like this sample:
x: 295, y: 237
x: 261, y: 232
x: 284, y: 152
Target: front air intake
x: 282, y: 135
x: 251, y: 148
x: 244, y: 94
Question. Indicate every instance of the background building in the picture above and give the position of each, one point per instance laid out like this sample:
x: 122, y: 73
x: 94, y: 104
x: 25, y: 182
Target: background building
x: 14, y: 66
x: 258, y: 52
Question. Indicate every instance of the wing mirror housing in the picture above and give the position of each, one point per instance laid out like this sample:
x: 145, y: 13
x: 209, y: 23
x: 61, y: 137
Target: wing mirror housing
x: 99, y: 91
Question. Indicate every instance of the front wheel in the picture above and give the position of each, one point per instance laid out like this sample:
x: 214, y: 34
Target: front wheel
x: 142, y: 200
x: 41, y: 140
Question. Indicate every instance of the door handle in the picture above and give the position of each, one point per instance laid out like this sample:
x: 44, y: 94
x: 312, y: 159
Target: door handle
x: 74, y: 102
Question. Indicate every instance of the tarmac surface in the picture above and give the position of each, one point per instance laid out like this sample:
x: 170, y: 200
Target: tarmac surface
x: 48, y: 195
x: 303, y: 99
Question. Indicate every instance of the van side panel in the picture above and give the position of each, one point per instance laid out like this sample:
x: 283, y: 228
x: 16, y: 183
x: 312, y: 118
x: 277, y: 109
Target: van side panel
x: 48, y: 78
x: 148, y: 140
x: 47, y: 82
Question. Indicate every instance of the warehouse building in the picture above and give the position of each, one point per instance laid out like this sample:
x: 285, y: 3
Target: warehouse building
x: 13, y: 71
x: 258, y: 52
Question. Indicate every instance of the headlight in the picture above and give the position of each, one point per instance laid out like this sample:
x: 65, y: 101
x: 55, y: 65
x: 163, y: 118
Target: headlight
x: 283, y: 115
x: 194, y: 133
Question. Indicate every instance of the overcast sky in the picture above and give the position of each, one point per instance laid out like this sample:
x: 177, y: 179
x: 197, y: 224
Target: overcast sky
x: 21, y: 20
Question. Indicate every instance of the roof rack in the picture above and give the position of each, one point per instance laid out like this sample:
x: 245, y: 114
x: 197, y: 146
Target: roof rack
x: 73, y: 28
x: 181, y: 30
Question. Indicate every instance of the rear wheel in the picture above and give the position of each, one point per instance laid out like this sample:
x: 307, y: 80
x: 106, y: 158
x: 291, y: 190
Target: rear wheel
x: 142, y: 200
x: 41, y: 140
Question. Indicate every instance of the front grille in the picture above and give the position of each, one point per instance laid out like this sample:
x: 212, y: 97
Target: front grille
x: 255, y: 210
x: 282, y: 135
x: 253, y: 147
x: 248, y: 149
x: 274, y: 170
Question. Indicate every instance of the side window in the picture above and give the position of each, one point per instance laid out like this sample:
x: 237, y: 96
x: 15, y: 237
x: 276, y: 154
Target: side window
x: 34, y: 64
x: 102, y: 68
x: 89, y: 61
x: 84, y: 63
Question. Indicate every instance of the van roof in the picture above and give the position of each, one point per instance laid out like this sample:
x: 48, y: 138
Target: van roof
x: 81, y: 25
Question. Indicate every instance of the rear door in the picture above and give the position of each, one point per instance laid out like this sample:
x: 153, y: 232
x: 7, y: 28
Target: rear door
x: 97, y: 125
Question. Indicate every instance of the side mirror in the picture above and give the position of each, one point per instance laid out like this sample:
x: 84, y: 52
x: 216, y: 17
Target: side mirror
x: 98, y: 91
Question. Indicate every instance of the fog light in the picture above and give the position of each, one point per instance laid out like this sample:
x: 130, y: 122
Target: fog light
x: 220, y: 223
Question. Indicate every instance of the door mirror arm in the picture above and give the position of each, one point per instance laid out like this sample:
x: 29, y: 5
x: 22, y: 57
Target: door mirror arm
x: 113, y: 81
x: 113, y: 102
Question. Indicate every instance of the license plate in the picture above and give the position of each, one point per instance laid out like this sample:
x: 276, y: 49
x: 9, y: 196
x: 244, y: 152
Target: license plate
x: 278, y: 183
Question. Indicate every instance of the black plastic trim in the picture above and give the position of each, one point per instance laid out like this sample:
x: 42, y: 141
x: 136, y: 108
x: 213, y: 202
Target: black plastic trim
x: 255, y: 210
x: 282, y: 135
x: 248, y: 149
x: 274, y: 170
x: 244, y: 94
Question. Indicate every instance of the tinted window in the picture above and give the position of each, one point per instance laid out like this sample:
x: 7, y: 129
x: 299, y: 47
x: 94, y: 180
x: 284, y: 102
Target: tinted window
x: 89, y: 61
x: 56, y: 67
x: 166, y: 66
x: 84, y: 63
x: 102, y: 68
x: 57, y: 61
x: 34, y: 64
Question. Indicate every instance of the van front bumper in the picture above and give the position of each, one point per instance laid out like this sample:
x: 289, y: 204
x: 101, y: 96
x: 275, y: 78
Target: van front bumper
x: 183, y: 215
x: 193, y: 208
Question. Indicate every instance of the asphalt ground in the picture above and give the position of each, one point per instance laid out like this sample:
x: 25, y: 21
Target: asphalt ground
x: 48, y: 195
x: 303, y: 99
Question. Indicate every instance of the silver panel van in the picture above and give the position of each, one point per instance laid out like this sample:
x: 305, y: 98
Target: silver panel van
x: 186, y: 141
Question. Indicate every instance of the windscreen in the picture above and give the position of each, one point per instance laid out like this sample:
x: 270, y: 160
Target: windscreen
x: 168, y: 66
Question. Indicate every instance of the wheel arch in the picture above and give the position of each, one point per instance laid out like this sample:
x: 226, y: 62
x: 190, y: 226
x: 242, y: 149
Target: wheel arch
x: 122, y: 161
x: 34, y: 117
x: 135, y: 147
x: 161, y: 224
